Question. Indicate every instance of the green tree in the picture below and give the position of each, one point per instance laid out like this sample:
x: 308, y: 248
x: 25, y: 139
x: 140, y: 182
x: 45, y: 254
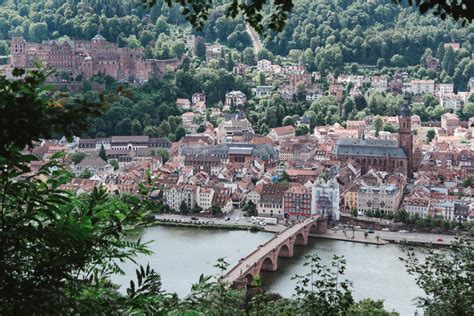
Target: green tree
x: 468, y: 110
x: 183, y: 207
x: 430, y: 135
x: 58, y: 249
x: 77, y: 157
x: 445, y: 277
x: 102, y: 153
x: 369, y: 307
x: 249, y: 56
x: 302, y: 130
x: 250, y: 209
x: 200, y: 47
x: 322, y: 291
x: 389, y: 128
x: 114, y: 163
x: 216, y: 210
x: 164, y: 153
x: 38, y: 31
x: 378, y: 125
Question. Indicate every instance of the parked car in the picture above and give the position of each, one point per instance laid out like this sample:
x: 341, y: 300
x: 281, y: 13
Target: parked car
x: 194, y: 218
x: 440, y: 239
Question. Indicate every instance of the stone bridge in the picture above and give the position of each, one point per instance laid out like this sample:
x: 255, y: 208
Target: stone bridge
x: 265, y: 257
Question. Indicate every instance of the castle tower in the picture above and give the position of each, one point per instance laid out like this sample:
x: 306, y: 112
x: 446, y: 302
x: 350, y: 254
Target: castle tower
x: 405, y: 136
x: 19, y: 57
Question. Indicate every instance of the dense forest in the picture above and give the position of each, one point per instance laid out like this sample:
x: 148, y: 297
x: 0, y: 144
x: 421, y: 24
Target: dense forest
x: 335, y: 36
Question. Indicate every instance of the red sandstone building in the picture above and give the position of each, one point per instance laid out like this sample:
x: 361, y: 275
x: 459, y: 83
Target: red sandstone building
x: 384, y: 155
x: 80, y: 60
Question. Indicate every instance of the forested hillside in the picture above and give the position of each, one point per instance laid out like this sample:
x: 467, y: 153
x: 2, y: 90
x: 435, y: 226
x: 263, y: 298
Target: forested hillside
x: 364, y: 31
x: 126, y: 22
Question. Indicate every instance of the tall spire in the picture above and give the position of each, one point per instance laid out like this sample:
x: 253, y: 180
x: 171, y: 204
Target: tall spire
x: 406, y: 108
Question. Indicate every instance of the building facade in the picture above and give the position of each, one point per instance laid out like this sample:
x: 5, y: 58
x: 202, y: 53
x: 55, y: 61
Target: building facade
x: 80, y: 60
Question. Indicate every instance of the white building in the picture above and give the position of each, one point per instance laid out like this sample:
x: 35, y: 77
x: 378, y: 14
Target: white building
x: 417, y: 206
x: 174, y: 195
x: 236, y: 98
x: 383, y: 197
x: 204, y: 196
x: 451, y: 101
x: 325, y: 198
x: 263, y: 91
x: 379, y: 83
x: 264, y: 65
x: 422, y: 86
x: 313, y: 94
x: 443, y: 88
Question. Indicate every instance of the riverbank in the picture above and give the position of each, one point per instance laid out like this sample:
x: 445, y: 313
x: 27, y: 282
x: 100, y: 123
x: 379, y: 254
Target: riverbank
x: 356, y: 236
x: 205, y: 225
x: 243, y: 223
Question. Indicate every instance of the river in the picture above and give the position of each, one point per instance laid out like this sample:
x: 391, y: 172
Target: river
x: 181, y: 255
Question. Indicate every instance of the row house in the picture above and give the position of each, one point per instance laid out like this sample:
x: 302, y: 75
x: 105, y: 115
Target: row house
x: 282, y: 133
x: 271, y: 201
x: 122, y: 143
x: 297, y: 201
x: 223, y: 198
x: 204, y: 197
x: 451, y: 101
x: 417, y: 205
x: 421, y: 87
x: 296, y: 151
x: 379, y: 83
x: 174, y: 195
x: 383, y: 197
x: 263, y: 91
x: 209, y: 164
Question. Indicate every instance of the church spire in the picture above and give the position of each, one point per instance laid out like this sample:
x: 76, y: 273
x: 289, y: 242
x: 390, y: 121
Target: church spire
x: 406, y: 108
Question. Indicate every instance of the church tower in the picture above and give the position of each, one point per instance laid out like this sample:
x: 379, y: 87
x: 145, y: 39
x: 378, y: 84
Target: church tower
x: 19, y: 56
x: 405, y: 136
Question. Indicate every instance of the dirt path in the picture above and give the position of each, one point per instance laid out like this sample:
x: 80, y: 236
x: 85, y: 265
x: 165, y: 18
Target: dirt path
x: 257, y: 45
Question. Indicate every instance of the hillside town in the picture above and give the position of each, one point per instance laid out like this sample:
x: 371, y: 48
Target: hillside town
x: 371, y: 166
x: 335, y: 170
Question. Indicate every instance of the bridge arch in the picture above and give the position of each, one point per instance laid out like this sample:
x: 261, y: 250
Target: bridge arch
x: 301, y: 238
x: 313, y: 229
x: 268, y: 264
x: 286, y: 251
x: 249, y: 277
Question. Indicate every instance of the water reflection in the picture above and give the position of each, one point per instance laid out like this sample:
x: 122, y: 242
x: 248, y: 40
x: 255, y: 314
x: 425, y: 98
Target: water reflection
x: 182, y: 254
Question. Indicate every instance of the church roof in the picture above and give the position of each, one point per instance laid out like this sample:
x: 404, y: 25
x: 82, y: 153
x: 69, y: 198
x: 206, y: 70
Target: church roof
x: 405, y: 109
x: 98, y: 37
x: 368, y: 148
